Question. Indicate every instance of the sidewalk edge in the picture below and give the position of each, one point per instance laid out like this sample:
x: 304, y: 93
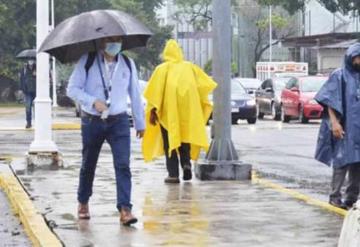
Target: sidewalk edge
x: 32, y: 221
x: 297, y: 195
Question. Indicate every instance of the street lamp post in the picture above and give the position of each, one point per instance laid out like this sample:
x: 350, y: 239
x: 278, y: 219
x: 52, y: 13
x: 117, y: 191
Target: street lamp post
x: 53, y: 74
x: 42, y: 146
x: 270, y: 40
x: 222, y: 162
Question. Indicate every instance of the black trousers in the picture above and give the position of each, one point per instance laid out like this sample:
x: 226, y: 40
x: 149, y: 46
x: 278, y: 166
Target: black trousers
x: 172, y: 161
x: 352, y: 186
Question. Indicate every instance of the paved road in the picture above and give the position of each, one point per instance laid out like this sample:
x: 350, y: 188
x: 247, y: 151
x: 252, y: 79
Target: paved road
x: 192, y: 214
x: 285, y: 153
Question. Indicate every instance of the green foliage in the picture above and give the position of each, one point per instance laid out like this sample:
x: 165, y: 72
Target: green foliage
x: 291, y: 6
x: 17, y: 20
x: 208, y: 67
x: 276, y: 20
x: 18, y: 30
x: 144, y: 10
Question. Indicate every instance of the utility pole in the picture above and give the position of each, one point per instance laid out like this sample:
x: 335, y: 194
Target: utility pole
x: 42, y: 149
x: 222, y: 162
x: 270, y: 40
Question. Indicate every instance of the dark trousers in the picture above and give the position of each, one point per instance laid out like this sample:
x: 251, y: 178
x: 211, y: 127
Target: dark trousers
x: 353, y: 183
x: 29, y: 100
x: 172, y: 161
x: 117, y: 134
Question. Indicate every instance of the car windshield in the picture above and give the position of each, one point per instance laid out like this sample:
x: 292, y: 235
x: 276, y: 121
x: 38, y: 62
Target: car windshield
x: 280, y: 83
x: 236, y: 88
x: 249, y: 83
x: 312, y: 84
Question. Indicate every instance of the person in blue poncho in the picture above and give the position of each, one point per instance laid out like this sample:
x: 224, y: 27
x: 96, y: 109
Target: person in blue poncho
x: 338, y: 142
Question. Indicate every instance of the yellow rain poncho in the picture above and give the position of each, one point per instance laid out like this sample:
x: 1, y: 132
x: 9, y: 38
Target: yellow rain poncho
x: 179, y: 91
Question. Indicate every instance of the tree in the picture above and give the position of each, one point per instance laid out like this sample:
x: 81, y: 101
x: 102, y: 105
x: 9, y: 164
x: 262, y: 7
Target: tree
x: 198, y: 13
x: 18, y: 27
x: 145, y: 11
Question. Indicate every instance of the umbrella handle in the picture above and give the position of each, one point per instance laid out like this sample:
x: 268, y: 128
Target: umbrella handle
x: 106, y: 92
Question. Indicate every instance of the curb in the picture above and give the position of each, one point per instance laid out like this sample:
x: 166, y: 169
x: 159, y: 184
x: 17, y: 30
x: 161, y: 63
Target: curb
x: 297, y: 195
x: 55, y: 126
x: 34, y: 224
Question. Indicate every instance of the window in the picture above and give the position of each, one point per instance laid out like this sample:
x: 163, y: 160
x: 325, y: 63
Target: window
x: 292, y: 83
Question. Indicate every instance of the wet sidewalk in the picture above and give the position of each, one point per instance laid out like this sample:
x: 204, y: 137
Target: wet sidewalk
x: 195, y: 213
x: 11, y: 231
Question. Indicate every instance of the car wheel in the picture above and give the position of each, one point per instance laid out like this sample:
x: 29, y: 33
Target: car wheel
x: 260, y: 115
x: 285, y: 118
x: 234, y: 120
x: 251, y: 120
x: 276, y: 115
x: 302, y: 117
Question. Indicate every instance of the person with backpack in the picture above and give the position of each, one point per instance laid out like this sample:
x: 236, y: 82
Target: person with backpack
x: 101, y: 83
x: 338, y: 142
x: 28, y: 87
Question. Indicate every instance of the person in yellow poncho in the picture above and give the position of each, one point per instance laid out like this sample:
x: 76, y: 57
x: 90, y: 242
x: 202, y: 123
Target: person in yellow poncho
x: 177, y: 111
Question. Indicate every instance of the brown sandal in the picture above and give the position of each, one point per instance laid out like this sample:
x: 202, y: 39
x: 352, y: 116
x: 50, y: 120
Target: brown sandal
x: 83, y: 212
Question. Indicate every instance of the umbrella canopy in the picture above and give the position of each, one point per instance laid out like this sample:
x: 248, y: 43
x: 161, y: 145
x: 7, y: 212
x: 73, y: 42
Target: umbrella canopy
x: 75, y: 36
x: 27, y: 54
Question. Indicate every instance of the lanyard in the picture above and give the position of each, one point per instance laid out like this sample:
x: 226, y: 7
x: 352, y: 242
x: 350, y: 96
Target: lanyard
x: 109, y: 75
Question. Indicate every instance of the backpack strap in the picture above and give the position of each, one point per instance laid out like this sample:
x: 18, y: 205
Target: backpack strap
x: 128, y: 63
x: 89, y: 62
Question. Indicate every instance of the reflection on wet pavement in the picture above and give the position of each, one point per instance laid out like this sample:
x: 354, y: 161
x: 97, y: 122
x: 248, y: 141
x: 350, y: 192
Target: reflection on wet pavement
x: 189, y: 214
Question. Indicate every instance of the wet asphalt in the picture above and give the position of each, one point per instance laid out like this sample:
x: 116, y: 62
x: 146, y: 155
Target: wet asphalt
x: 190, y: 214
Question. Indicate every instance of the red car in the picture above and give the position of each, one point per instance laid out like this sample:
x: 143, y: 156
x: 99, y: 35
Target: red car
x: 297, y: 99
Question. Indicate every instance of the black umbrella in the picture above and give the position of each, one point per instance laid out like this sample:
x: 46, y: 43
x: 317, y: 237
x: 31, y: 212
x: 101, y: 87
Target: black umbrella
x: 27, y: 54
x: 76, y: 35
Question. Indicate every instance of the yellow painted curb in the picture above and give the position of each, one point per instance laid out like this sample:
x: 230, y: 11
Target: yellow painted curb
x: 66, y: 126
x: 6, y: 158
x: 33, y: 222
x: 297, y: 195
x: 55, y: 126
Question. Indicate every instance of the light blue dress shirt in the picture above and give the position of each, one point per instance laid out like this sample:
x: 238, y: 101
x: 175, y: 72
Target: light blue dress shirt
x: 86, y: 89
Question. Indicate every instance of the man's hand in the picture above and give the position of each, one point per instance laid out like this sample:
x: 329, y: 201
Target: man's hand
x: 337, y: 130
x: 100, y: 106
x: 140, y: 133
x: 153, y: 117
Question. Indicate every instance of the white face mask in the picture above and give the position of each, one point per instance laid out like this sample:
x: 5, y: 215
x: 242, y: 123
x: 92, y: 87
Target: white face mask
x: 31, y: 62
x: 113, y: 48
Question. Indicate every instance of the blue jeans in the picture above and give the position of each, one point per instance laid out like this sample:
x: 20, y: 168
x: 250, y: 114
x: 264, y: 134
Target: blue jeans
x: 29, y: 99
x: 117, y: 134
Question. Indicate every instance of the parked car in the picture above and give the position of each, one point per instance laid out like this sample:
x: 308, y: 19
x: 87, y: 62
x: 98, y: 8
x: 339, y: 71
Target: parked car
x: 268, y: 97
x: 243, y: 105
x: 250, y: 84
x: 297, y: 98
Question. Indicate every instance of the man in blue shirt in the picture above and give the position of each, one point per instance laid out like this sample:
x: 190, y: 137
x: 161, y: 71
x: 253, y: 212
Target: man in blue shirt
x: 102, y: 92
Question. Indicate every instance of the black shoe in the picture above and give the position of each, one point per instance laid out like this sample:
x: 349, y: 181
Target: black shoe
x: 172, y: 180
x: 338, y: 204
x: 349, y: 204
x: 28, y: 126
x: 187, y: 173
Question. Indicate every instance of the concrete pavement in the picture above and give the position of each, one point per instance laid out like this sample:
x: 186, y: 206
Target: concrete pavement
x: 189, y: 214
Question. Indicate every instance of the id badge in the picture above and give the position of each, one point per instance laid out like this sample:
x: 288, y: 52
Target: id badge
x: 105, y: 114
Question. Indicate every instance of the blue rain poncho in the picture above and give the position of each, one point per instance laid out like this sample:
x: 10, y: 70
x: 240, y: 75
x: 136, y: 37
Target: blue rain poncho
x: 340, y: 93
